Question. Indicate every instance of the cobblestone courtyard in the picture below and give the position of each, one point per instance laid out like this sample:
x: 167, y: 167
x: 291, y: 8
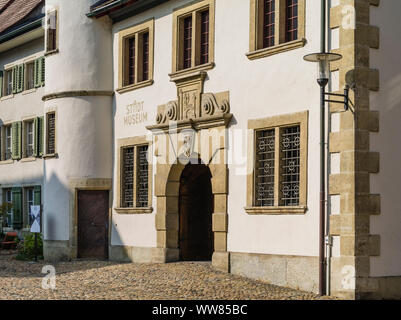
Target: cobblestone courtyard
x: 110, y: 280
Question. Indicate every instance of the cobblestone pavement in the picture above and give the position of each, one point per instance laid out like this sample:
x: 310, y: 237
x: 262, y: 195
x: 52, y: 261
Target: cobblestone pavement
x: 89, y: 279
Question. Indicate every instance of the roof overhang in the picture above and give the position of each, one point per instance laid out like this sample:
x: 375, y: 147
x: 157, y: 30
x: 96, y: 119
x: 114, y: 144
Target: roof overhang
x: 122, y: 9
x: 22, y: 34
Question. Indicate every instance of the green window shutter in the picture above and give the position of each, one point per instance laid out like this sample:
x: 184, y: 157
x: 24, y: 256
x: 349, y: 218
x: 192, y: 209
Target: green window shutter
x: 42, y: 70
x: 20, y: 79
x: 35, y: 137
x: 41, y: 136
x: 1, y: 83
x: 15, y: 79
x: 16, y: 140
x: 37, y: 200
x: 17, y: 207
x: 38, y: 73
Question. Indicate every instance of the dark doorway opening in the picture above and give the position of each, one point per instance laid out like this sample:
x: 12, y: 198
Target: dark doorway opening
x: 196, y: 209
x: 93, y: 208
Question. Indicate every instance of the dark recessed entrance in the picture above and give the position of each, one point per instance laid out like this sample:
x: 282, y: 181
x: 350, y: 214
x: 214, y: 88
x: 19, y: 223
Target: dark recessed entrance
x: 196, y: 209
x: 93, y: 207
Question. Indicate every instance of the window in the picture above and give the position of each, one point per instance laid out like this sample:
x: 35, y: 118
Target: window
x: 276, y: 26
x: 51, y: 133
x: 7, y: 194
x: 7, y: 142
x: 51, y: 32
x: 193, y: 36
x: 136, y: 57
x: 134, y: 177
x: 8, y: 82
x: 29, y: 138
x: 30, y: 76
x: 278, y: 182
x: 29, y: 200
x: 134, y: 184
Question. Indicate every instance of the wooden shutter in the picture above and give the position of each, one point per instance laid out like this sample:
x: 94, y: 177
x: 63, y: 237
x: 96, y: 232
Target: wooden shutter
x: 16, y: 140
x: 42, y: 71
x: 35, y: 137
x: 38, y: 72
x: 1, y: 83
x: 41, y: 136
x: 37, y: 201
x: 20, y: 78
x: 15, y: 79
x: 17, y: 207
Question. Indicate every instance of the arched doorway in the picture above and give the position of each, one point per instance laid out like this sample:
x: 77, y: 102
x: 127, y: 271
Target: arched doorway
x: 195, y: 213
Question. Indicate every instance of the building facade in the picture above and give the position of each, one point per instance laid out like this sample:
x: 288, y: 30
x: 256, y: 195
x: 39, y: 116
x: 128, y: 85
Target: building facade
x: 153, y: 131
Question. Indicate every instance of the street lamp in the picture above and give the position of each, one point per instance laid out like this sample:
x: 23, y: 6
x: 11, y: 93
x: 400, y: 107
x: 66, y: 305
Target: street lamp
x: 323, y: 60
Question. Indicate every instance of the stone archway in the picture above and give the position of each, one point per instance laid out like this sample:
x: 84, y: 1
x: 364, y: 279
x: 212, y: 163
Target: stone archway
x: 167, y: 217
x: 195, y: 210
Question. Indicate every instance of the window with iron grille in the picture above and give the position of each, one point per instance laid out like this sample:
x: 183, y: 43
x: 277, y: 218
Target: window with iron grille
x: 127, y: 188
x: 142, y: 190
x: 135, y: 177
x: 290, y: 166
x: 264, y: 169
x: 29, y: 138
x: 291, y: 28
x: 277, y: 160
x: 269, y: 11
x: 51, y: 133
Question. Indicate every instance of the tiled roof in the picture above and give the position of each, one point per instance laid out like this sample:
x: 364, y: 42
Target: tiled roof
x: 13, y: 11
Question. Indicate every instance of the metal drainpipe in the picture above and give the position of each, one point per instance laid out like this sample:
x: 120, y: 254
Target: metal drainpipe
x: 329, y: 241
x: 322, y: 275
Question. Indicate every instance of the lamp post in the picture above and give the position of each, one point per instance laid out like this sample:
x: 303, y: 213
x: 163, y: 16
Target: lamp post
x: 323, y: 60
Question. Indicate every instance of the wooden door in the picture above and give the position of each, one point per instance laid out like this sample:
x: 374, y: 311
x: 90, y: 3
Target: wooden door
x: 93, y: 207
x: 196, y: 208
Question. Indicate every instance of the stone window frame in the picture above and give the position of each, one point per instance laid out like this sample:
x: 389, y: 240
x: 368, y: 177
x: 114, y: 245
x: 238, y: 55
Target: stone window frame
x: 181, y: 13
x: 256, y: 50
x: 277, y: 122
x: 133, y: 142
x: 135, y: 31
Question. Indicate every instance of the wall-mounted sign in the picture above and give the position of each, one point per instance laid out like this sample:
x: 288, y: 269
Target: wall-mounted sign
x: 134, y: 114
x: 35, y: 213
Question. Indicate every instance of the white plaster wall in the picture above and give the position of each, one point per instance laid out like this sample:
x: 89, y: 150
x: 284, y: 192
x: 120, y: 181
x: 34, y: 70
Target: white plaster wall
x: 388, y: 102
x: 21, y: 106
x: 279, y: 84
x: 84, y: 128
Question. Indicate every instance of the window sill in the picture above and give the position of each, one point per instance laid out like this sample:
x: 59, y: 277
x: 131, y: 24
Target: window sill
x: 135, y: 86
x: 9, y: 161
x: 50, y: 156
x: 276, y: 210
x: 134, y: 210
x: 49, y: 53
x: 29, y: 159
x: 10, y: 96
x: 29, y: 91
x: 188, y: 72
x: 266, y: 52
